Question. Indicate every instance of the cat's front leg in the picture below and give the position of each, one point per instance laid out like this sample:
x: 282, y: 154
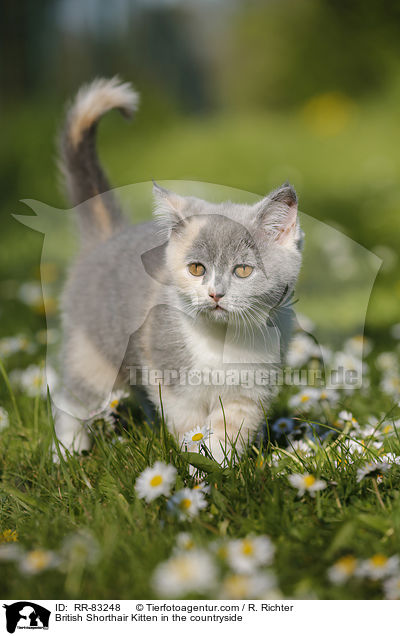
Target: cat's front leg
x: 233, y: 424
x: 183, y: 412
x: 71, y: 432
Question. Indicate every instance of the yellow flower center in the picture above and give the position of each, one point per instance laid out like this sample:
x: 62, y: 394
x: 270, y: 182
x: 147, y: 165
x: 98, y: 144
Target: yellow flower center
x: 378, y: 560
x: 309, y: 481
x: 305, y: 398
x: 156, y: 481
x: 347, y: 564
x: 247, y: 548
x: 183, y: 568
x: 114, y: 404
x: 387, y: 429
x: 38, y: 559
x: 185, y: 504
x: 323, y: 396
x: 237, y: 586
x: 197, y: 437
x: 37, y: 381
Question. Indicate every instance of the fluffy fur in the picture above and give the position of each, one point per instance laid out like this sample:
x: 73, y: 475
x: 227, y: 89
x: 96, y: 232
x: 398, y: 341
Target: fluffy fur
x: 131, y: 304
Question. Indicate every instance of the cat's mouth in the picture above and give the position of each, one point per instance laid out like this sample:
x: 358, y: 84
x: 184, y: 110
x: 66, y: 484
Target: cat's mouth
x: 218, y: 313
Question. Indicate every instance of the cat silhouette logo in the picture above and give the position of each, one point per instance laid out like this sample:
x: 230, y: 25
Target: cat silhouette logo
x: 26, y: 615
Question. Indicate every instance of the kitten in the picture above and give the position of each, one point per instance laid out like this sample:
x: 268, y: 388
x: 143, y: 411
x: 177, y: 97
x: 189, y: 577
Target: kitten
x: 196, y: 299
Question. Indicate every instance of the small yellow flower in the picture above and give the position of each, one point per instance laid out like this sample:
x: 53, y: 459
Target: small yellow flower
x: 8, y: 536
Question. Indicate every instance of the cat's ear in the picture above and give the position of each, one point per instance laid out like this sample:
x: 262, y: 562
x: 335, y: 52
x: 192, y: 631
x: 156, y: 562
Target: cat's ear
x: 168, y: 207
x: 276, y: 215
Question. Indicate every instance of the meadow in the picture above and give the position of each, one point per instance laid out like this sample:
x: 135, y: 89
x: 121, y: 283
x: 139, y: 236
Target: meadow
x: 312, y: 509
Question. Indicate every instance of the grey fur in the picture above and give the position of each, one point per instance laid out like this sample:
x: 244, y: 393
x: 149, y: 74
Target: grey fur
x: 131, y: 300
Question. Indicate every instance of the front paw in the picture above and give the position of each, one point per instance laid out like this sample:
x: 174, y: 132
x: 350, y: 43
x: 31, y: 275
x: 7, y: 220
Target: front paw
x: 233, y: 428
x: 71, y: 435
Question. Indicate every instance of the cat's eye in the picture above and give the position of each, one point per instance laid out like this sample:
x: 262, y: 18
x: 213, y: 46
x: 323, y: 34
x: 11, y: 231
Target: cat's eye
x: 197, y: 269
x: 243, y: 271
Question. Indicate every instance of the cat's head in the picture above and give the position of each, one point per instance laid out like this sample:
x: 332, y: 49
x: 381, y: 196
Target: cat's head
x: 231, y: 260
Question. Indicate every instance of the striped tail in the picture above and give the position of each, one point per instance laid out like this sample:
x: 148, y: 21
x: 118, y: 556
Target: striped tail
x: 87, y: 186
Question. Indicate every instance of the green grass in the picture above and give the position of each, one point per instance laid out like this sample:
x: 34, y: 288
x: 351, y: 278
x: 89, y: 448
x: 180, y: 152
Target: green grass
x: 46, y: 502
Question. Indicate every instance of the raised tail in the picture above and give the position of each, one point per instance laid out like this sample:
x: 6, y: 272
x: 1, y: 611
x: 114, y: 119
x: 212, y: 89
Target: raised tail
x: 87, y: 185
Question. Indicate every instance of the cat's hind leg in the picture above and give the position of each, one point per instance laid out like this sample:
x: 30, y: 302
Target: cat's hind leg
x: 88, y: 380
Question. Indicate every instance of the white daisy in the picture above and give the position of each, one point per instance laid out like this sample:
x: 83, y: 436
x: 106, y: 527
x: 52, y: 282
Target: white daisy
x: 155, y: 481
x: 300, y: 447
x: 347, y: 417
x: 352, y: 446
x: 36, y: 561
x: 343, y: 569
x: 115, y: 399
x: 392, y: 588
x: 34, y: 380
x: 256, y: 585
x: 390, y: 458
x: 390, y: 428
x: 14, y: 344
x: 184, y: 541
x: 187, y: 503
x: 10, y: 552
x: 386, y: 361
x: 203, y: 487
x: 305, y: 482
x: 30, y: 293
x: 344, y: 460
x: 275, y: 458
x: 305, y: 399
x: 395, y: 331
x: 344, y: 363
x: 245, y: 555
x: 183, y: 573
x: 197, y: 437
x: 390, y: 383
x: 378, y: 567
x: 348, y: 362
x: 302, y: 348
x: 4, y: 419
x: 372, y: 469
x: 358, y: 345
x: 328, y: 395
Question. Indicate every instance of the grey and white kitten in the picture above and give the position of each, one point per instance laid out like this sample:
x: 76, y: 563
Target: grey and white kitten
x: 198, y: 293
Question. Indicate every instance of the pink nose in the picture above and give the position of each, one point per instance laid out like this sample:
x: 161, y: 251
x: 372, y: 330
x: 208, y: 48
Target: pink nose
x: 216, y: 296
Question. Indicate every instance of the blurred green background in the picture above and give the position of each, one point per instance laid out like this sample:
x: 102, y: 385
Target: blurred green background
x: 243, y: 94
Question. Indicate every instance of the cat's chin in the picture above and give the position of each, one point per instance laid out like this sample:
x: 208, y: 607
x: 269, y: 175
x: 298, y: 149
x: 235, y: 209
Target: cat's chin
x: 218, y: 314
